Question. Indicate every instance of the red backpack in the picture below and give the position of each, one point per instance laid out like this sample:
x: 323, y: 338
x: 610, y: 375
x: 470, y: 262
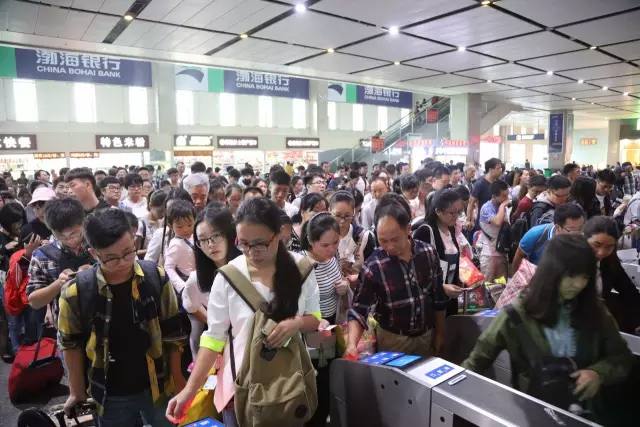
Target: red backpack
x: 15, y: 289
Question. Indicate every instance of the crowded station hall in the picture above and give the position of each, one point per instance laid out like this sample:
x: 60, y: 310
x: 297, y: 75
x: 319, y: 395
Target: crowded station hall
x: 322, y: 213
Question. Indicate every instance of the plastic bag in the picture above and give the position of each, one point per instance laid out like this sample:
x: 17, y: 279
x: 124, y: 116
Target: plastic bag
x: 518, y: 283
x: 201, y: 406
x: 469, y: 273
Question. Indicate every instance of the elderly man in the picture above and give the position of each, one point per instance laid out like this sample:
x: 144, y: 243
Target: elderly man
x: 197, y: 185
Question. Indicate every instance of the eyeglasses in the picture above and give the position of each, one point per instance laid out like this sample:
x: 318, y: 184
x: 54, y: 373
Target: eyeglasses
x: 319, y: 183
x: 347, y: 217
x: 452, y: 213
x: 215, y: 239
x: 67, y: 237
x: 560, y: 196
x: 258, y: 247
x: 127, y: 257
x: 572, y: 231
x: 114, y: 188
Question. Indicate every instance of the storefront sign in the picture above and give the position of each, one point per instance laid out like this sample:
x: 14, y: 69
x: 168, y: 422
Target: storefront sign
x: 420, y: 142
x: 365, y: 143
x: 122, y: 142
x: 556, y: 133
x: 193, y: 141
x: 588, y: 141
x: 192, y: 153
x: 493, y: 139
x: 454, y: 143
x: 49, y: 155
x: 237, y: 142
x: 375, y: 95
x: 85, y: 155
x: 432, y: 115
x: 451, y: 151
x: 244, y: 82
x: 377, y: 145
x: 529, y: 137
x: 303, y: 142
x: 21, y: 142
x: 73, y: 67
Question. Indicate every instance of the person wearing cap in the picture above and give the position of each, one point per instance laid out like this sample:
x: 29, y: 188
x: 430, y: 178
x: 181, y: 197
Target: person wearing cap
x: 37, y: 226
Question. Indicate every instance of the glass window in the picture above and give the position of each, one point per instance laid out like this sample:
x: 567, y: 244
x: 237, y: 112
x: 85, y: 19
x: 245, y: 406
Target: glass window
x: 299, y: 113
x: 405, y: 116
x: 138, y: 114
x: 332, y: 115
x: 358, y: 117
x: 227, y: 109
x: 84, y: 100
x: 185, y: 114
x: 516, y: 154
x: 26, y: 103
x: 265, y: 111
x: 382, y: 118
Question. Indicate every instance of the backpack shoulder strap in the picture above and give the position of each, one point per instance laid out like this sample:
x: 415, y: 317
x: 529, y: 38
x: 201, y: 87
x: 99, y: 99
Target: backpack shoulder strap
x: 87, y: 286
x: 152, y: 275
x: 305, y: 267
x: 544, y: 238
x: 242, y: 286
x: 531, y: 349
x: 51, y: 251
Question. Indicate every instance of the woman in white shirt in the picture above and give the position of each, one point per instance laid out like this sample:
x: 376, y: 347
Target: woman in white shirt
x: 215, y: 236
x: 274, y: 273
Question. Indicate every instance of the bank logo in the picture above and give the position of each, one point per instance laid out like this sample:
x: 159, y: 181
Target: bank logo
x: 337, y: 92
x: 191, y: 78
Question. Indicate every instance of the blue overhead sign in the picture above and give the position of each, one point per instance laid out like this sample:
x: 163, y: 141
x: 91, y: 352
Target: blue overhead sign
x: 556, y: 133
x: 527, y: 137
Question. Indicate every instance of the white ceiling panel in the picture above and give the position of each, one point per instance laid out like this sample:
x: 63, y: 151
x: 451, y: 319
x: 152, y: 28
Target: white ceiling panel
x: 200, y: 38
x: 628, y: 51
x: 117, y: 7
x: 628, y: 89
x: 235, y: 24
x: 211, y: 43
x: 618, y: 81
x: 565, y: 87
x: 592, y: 93
x: 175, y: 38
x: 537, y: 80
x: 609, y: 98
x: 76, y: 25
x: 339, y: 63
x: 554, y: 12
x: 602, y: 71
x: 538, y: 98
x: 444, y: 80
x: 474, y: 26
x: 100, y: 27
x: 186, y: 10
x: 478, y: 88
x: 397, y: 73
x: 134, y: 32
x: 314, y: 29
x: 567, y: 104
x: 514, y: 93
x: 92, y: 5
x: 397, y: 47
x: 236, y: 16
x: 158, y: 9
x: 529, y: 46
x: 50, y: 21
x: 22, y: 17
x: 503, y: 71
x: 155, y: 35
x: 455, y: 61
x: 265, y: 51
x: 566, y: 61
x: 615, y: 29
x: 388, y: 13
x: 622, y: 104
x: 65, y: 3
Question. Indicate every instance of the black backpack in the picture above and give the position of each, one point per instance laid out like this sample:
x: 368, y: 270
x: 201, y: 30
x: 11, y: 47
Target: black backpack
x: 67, y: 259
x: 503, y: 241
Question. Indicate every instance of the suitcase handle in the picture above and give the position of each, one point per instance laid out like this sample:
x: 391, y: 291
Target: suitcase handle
x: 35, y: 355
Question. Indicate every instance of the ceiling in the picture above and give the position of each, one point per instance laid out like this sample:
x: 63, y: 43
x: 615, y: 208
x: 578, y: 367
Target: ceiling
x: 542, y: 54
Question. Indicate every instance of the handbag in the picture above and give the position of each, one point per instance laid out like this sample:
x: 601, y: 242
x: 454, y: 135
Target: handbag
x: 35, y: 368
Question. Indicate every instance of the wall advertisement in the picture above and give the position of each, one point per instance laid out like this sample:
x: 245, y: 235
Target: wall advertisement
x: 374, y: 95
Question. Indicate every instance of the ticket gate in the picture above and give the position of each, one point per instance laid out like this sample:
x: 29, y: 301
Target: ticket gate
x: 397, y: 390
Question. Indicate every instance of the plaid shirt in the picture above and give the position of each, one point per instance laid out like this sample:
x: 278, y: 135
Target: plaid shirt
x: 45, y: 271
x: 403, y: 295
x: 630, y: 184
x: 161, y: 320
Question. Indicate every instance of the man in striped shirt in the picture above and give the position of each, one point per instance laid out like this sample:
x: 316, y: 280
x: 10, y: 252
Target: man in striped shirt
x: 402, y: 282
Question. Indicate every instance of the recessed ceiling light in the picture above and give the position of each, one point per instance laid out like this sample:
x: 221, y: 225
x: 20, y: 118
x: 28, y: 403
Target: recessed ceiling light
x: 128, y: 17
x: 330, y: 50
x: 300, y: 8
x: 626, y: 94
x: 593, y: 103
x: 396, y: 63
x: 580, y: 81
x: 485, y: 2
x: 593, y: 47
x: 243, y: 36
x: 605, y: 88
x: 393, y: 30
x: 489, y: 81
x: 573, y: 99
x: 461, y: 48
x: 549, y: 73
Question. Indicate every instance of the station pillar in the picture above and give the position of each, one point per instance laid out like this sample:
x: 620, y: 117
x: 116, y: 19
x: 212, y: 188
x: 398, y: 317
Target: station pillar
x: 466, y: 118
x: 560, y: 139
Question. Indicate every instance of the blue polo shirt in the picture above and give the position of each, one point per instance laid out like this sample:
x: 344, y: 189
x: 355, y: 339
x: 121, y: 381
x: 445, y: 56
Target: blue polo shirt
x: 532, y: 242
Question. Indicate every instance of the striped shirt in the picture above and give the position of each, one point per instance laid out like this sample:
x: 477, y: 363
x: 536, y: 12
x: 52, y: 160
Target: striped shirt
x: 327, y: 274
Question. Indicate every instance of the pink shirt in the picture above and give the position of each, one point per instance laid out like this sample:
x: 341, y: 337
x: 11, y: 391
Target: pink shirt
x: 179, y: 255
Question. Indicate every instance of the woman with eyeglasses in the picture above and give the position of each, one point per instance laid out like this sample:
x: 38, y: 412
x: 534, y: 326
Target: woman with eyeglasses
x: 293, y: 303
x: 311, y: 204
x: 214, y: 247
x: 356, y: 243
x: 233, y: 194
x: 439, y: 230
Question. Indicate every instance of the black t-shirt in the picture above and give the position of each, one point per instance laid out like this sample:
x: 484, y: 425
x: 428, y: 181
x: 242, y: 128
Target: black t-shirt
x: 128, y: 344
x: 102, y: 204
x: 481, y: 191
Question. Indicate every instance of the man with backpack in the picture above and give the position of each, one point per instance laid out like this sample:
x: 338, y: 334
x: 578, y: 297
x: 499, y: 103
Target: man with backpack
x: 557, y: 194
x: 492, y: 218
x: 119, y: 326
x: 568, y: 219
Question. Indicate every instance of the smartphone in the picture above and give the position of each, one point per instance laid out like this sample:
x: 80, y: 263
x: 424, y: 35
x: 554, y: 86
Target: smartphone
x: 27, y: 239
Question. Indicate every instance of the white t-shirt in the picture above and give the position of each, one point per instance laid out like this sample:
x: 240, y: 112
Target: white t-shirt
x: 290, y: 209
x: 226, y: 308
x: 139, y: 209
x: 192, y: 297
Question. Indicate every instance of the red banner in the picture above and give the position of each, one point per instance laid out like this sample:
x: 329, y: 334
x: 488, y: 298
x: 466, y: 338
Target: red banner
x: 454, y: 143
x: 493, y: 139
x: 377, y: 145
x: 432, y: 116
x: 420, y: 143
